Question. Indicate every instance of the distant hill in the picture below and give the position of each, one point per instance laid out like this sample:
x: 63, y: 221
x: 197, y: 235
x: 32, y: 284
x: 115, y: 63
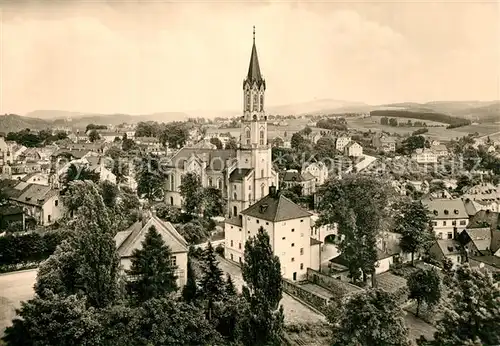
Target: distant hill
x: 13, y: 122
x: 319, y: 106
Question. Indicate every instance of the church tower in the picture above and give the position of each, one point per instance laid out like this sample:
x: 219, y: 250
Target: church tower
x: 254, y: 151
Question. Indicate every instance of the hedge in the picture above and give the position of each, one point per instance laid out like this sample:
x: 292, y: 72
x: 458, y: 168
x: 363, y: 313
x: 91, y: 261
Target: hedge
x: 28, y: 247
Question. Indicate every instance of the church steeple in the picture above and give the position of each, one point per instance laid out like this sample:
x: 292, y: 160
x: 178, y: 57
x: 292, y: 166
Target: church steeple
x: 254, y: 75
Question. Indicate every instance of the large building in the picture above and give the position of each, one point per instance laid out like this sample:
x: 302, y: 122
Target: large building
x: 243, y: 175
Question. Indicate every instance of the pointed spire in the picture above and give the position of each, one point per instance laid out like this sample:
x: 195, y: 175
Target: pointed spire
x: 254, y: 74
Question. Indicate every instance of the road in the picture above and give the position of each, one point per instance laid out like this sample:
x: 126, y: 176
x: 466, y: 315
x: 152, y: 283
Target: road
x: 295, y: 312
x: 14, y: 288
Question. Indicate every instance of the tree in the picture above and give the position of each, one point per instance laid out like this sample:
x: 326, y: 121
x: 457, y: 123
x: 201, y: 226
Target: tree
x: 80, y: 172
x: 262, y: 318
x: 150, y: 178
x: 212, y: 283
x: 277, y: 143
x: 325, y: 148
x: 410, y: 144
x: 109, y: 192
x: 298, y: 142
x: 192, y: 193
x: 213, y: 203
x: 152, y: 271
x: 472, y: 311
x: 371, y: 318
x: 393, y: 122
x: 359, y: 206
x: 231, y: 144
x: 230, y: 289
x: 217, y: 142
x: 413, y: 223
x: 190, y: 290
x: 174, y: 134
x: 168, y: 212
x: 384, y: 121
x: 166, y: 322
x: 147, y: 129
x: 424, y: 286
x: 306, y: 131
x: 94, y: 136
x: 119, y: 164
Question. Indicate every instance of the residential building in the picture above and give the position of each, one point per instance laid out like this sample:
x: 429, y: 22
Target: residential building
x: 476, y: 241
x: 36, y: 178
x: 440, y: 150
x: 342, y: 142
x: 289, y: 228
x: 384, y: 143
x: 485, y: 196
x: 132, y: 238
x: 448, y: 216
x: 447, y: 248
x: 318, y: 170
x: 425, y: 156
x: 353, y: 149
x: 243, y: 175
x: 292, y: 177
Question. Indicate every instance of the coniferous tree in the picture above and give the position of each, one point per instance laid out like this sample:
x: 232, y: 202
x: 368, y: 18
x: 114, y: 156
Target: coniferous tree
x: 152, y: 272
x: 262, y: 318
x: 212, y: 282
x: 190, y: 290
x: 230, y: 289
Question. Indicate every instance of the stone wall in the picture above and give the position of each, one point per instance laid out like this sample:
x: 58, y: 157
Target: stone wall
x: 310, y: 298
x: 338, y: 288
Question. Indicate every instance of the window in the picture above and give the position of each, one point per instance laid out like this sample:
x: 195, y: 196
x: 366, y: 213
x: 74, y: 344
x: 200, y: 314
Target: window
x: 293, y: 229
x: 210, y: 182
x: 234, y: 187
x: 48, y: 218
x: 219, y: 184
x: 440, y: 235
x: 249, y: 197
x: 434, y: 223
x: 249, y: 186
x: 301, y: 234
x: 293, y: 259
x: 56, y: 202
x: 247, y: 133
x: 283, y: 238
x: 255, y: 102
x: 293, y: 244
x: 231, y: 257
x: 453, y: 223
x: 231, y: 243
x: 173, y: 260
x: 301, y: 220
x: 267, y: 223
x: 301, y: 250
x: 450, y: 235
x: 301, y: 266
x: 239, y: 246
x: 444, y: 223
x: 239, y: 259
x: 261, y: 137
x: 262, y: 173
x: 235, y: 196
x: 462, y: 223
x: 261, y: 103
x: 257, y: 221
x: 248, y: 101
x: 235, y: 211
x: 262, y: 190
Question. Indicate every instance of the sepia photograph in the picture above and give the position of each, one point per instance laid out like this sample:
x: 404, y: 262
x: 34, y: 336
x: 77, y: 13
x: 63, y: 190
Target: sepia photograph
x: 249, y: 173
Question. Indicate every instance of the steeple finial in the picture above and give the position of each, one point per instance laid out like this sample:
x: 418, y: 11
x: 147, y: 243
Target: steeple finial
x: 254, y: 34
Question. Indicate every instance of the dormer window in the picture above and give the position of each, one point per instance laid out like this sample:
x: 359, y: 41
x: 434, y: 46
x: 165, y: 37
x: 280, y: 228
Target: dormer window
x: 435, y: 212
x: 263, y: 208
x: 456, y: 212
x: 446, y: 212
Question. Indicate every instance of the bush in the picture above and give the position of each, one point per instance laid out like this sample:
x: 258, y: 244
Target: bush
x: 28, y: 247
x: 220, y: 250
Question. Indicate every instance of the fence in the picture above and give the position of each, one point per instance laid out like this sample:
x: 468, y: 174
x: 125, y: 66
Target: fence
x: 338, y: 288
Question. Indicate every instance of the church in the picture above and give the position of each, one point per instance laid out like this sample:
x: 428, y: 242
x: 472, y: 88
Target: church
x: 244, y: 175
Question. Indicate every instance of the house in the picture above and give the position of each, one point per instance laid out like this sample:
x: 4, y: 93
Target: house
x: 318, y: 170
x: 389, y: 251
x: 485, y: 196
x: 385, y: 143
x: 438, y: 194
x: 288, y: 226
x: 419, y: 185
x: 476, y: 241
x: 425, y: 156
x: 353, y: 149
x: 42, y: 203
x: 440, y: 150
x: 292, y: 177
x: 131, y: 239
x: 36, y: 178
x: 342, y: 142
x: 97, y: 164
x: 10, y: 214
x: 447, y: 248
x: 449, y: 217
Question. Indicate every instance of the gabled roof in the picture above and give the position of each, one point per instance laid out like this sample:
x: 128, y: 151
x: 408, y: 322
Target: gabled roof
x: 446, y: 208
x: 36, y: 194
x: 240, y: 173
x: 293, y: 175
x: 449, y: 246
x: 276, y: 208
x: 13, y: 188
x: 481, y: 237
x: 129, y: 240
x: 216, y: 159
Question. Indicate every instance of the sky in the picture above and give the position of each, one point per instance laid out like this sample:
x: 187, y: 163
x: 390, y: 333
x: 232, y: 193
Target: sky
x: 157, y: 56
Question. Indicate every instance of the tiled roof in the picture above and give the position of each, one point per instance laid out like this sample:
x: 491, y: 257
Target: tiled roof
x: 10, y: 210
x: 240, y: 173
x: 276, y: 208
x: 36, y: 194
x: 77, y: 154
x: 129, y: 240
x: 446, y: 208
x: 216, y: 159
x: 493, y: 261
x: 481, y: 237
x: 12, y: 188
x: 294, y: 175
x: 449, y: 246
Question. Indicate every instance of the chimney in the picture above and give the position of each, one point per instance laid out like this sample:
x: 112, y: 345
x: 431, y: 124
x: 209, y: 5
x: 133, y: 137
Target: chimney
x: 272, y: 191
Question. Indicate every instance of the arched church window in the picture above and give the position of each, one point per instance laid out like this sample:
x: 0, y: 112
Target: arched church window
x: 210, y: 181
x: 235, y: 196
x: 261, y: 103
x: 261, y: 137
x: 262, y: 190
x: 247, y: 97
x: 255, y: 102
x: 247, y: 133
x: 262, y: 173
x: 219, y: 184
x: 249, y: 197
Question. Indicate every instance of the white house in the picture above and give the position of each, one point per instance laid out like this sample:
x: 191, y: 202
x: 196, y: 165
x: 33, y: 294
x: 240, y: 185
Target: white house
x: 341, y: 143
x: 318, y: 170
x: 130, y: 239
x: 449, y: 217
x: 353, y: 149
x: 425, y: 156
x: 289, y: 228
